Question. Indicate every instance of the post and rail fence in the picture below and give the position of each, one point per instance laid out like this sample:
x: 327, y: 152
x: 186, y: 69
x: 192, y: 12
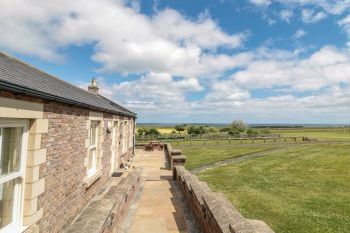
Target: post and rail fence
x: 221, y: 139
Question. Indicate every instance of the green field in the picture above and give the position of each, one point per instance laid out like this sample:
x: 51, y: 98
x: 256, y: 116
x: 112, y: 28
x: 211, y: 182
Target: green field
x: 299, y: 188
x: 198, y: 154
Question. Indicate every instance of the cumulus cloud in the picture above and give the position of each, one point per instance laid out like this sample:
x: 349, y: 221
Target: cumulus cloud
x: 177, y: 56
x: 260, y: 2
x: 345, y: 24
x: 300, y: 88
x: 325, y: 68
x: 299, y: 34
x: 125, y: 40
x: 286, y: 15
x: 318, y: 84
x: 334, y: 7
x: 310, y: 16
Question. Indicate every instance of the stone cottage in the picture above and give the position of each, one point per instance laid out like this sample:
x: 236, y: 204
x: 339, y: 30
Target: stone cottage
x: 59, y: 144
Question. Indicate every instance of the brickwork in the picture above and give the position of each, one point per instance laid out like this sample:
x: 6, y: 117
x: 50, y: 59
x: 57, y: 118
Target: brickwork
x: 65, y: 192
x: 213, y: 212
x: 64, y: 170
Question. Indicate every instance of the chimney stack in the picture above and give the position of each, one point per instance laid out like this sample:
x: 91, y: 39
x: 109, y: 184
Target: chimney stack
x: 93, y: 88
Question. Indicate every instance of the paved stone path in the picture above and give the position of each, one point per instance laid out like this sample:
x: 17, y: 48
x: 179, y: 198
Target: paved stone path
x: 159, y: 206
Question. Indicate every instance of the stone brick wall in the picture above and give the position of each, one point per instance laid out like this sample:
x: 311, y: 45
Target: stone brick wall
x: 64, y: 170
x: 213, y: 212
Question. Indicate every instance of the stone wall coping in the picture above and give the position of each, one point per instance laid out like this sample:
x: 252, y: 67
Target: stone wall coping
x: 101, y: 215
x: 212, y: 211
x: 175, y: 152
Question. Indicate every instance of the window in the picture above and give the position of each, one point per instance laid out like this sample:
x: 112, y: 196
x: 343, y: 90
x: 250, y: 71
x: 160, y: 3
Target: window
x: 93, y: 142
x: 114, y: 161
x: 13, y: 141
x: 131, y: 134
x: 125, y: 138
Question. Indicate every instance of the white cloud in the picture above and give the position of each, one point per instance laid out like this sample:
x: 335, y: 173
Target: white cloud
x: 299, y: 34
x: 300, y: 90
x: 286, y: 15
x: 124, y: 40
x: 260, y: 2
x: 334, y: 7
x: 316, y: 86
x: 345, y: 24
x: 324, y: 68
x: 177, y: 56
x: 309, y: 16
x: 156, y: 93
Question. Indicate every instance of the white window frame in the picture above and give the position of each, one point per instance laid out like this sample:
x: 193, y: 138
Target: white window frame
x: 94, y: 147
x: 125, y: 138
x: 131, y: 133
x: 115, y: 146
x: 18, y: 177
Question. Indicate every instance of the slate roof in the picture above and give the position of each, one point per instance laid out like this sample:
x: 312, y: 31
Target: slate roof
x: 19, y: 77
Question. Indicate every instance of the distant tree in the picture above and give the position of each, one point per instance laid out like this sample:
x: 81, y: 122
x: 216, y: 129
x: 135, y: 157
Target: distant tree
x: 173, y: 132
x: 239, y: 125
x: 252, y: 132
x: 141, y: 131
x: 226, y: 129
x: 152, y: 132
x: 180, y: 128
x: 193, y: 129
x: 234, y: 132
x: 212, y: 130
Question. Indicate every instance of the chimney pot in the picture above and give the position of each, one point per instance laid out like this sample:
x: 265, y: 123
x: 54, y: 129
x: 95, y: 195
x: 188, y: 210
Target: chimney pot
x: 93, y: 88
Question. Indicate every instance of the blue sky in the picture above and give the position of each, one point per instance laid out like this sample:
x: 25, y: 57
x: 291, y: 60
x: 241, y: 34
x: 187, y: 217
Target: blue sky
x: 263, y: 61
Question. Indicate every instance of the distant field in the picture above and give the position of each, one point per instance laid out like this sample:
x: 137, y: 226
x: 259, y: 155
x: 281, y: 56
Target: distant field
x: 162, y: 129
x: 319, y: 133
x: 299, y: 190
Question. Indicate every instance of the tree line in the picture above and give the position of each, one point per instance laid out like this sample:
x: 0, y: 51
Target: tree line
x: 236, y: 128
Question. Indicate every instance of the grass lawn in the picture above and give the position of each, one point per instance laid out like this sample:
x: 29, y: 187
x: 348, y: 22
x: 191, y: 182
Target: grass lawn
x: 299, y: 190
x: 199, y: 154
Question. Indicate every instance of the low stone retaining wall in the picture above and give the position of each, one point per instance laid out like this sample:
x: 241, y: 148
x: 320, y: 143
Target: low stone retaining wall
x: 174, y: 157
x: 106, y: 214
x: 213, y: 212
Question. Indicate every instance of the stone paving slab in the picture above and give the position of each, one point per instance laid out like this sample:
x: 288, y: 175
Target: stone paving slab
x: 159, y: 208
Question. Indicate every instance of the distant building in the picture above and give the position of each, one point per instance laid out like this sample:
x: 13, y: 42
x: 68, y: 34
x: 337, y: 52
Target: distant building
x: 59, y: 144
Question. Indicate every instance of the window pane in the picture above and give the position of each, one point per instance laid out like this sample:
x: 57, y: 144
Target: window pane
x: 10, y: 150
x: 93, y: 133
x: 92, y: 158
x: 6, y: 202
